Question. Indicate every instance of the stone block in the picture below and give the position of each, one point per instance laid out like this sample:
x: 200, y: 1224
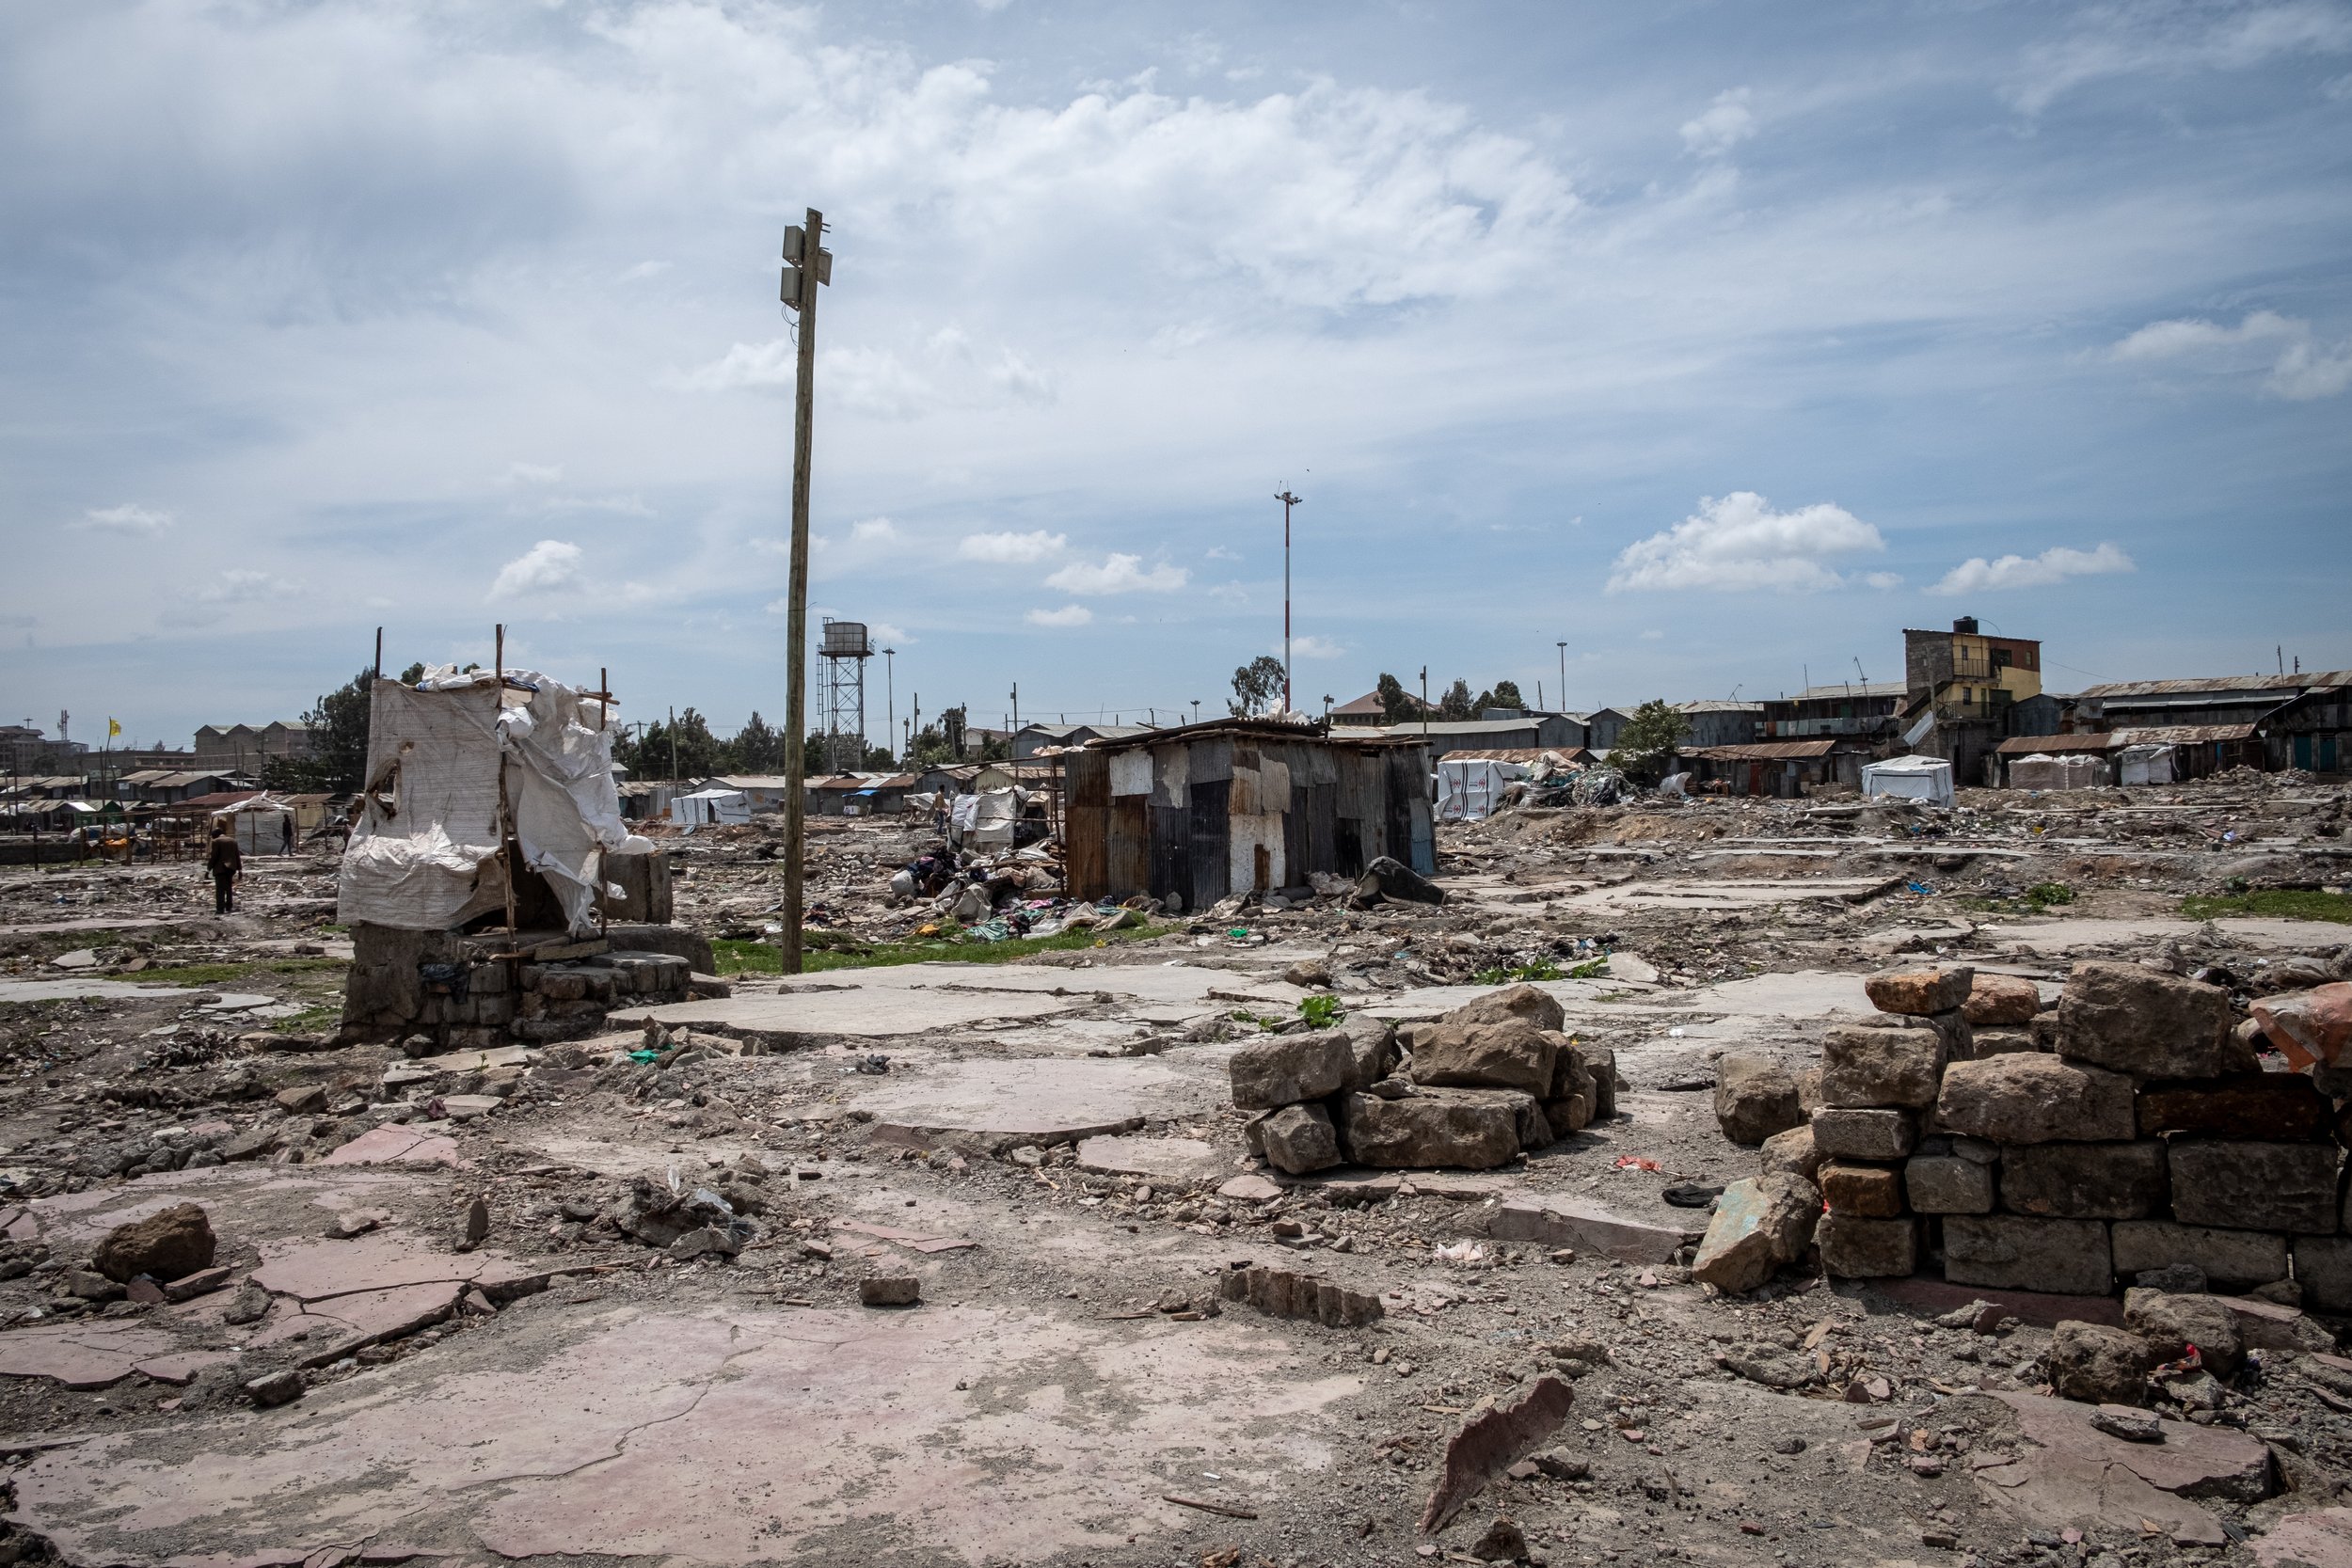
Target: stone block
x: 2255, y: 1186
x: 1920, y: 989
x: 1761, y: 1224
x: 1299, y: 1138
x: 1372, y: 1050
x: 1755, y: 1098
x: 2169, y: 1324
x: 2148, y: 1023
x: 1791, y: 1153
x: 2282, y: 1107
x: 2227, y: 1255
x: 2323, y: 1266
x: 1999, y: 1042
x: 1476, y: 1130
x: 2084, y: 1182
x: 1519, y: 1004
x: 2019, y: 1099
x: 1284, y: 1293
x: 891, y: 1289
x: 1588, y: 1227
x: 1511, y: 1054
x: 1283, y: 1070
x: 1862, y: 1067
x: 2098, y: 1365
x: 1862, y: 1135
x: 2001, y: 1000
x: 1866, y: 1192
x: 1601, y: 1062
x: 1947, y: 1184
x: 1856, y: 1248
x: 2020, y: 1253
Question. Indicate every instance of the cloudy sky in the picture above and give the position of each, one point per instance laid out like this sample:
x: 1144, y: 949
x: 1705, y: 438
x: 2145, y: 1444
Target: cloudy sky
x: 1718, y: 341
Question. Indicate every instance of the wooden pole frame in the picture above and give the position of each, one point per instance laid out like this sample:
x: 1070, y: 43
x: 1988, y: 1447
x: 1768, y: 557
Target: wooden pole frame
x: 808, y: 266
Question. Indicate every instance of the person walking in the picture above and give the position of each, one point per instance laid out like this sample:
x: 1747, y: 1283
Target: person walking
x: 227, y: 864
x: 285, y: 834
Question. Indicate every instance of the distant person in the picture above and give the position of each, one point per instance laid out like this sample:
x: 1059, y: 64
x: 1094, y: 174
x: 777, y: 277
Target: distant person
x: 224, y: 860
x: 285, y: 834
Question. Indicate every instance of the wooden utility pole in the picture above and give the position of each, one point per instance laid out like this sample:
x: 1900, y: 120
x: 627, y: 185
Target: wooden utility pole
x: 807, y: 265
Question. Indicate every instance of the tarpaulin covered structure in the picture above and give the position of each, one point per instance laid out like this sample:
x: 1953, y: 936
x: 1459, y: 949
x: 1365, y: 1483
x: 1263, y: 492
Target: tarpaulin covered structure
x: 474, y: 782
x: 712, y: 808
x: 1912, y: 778
x: 1471, y: 787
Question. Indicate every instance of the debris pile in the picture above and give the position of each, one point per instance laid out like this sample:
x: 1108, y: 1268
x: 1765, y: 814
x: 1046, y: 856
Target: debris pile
x: 1475, y: 1089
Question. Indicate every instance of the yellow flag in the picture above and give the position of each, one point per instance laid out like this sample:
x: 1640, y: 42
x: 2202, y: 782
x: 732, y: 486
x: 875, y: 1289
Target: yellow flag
x: 114, y: 727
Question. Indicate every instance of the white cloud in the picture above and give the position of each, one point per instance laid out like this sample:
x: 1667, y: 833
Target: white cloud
x: 2055, y: 564
x: 549, y: 566
x: 1315, y: 647
x: 1723, y: 125
x: 745, y: 365
x: 1739, y: 542
x: 1067, y: 615
x: 1882, y: 581
x: 620, y: 506
x: 2175, y: 41
x: 2301, y: 367
x: 532, y: 473
x: 1011, y: 549
x: 896, y: 637
x: 1218, y: 552
x: 874, y: 530
x: 1118, y: 574
x: 126, y: 518
x: 237, y: 586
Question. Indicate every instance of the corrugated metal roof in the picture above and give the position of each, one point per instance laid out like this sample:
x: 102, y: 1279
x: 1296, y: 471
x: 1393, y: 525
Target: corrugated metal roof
x: 1712, y: 705
x: 2110, y: 740
x: 2286, y: 685
x: 1851, y: 689
x: 1763, y: 750
x: 1521, y: 753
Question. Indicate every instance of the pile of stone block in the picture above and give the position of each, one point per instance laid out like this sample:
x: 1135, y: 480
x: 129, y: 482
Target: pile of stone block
x: 2130, y: 1128
x: 1473, y: 1089
x: 446, y: 992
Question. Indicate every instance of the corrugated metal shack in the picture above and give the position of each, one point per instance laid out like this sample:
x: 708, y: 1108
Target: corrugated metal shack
x: 1236, y: 805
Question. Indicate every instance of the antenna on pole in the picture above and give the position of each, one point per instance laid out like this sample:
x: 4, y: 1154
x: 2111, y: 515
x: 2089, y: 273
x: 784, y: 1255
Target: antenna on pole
x: 1288, y: 501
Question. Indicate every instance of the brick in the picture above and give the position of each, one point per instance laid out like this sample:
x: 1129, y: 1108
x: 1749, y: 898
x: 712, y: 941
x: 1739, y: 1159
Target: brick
x: 1865, y: 1066
x: 2019, y: 1252
x: 2284, y: 1107
x: 2084, y: 1182
x: 2255, y: 1186
x: 1856, y: 1248
x: 2019, y: 1099
x: 2001, y: 1000
x: 1866, y: 1192
x: 2227, y: 1256
x: 1920, y: 989
x: 1947, y: 1184
x: 2141, y: 1021
x: 1862, y: 1135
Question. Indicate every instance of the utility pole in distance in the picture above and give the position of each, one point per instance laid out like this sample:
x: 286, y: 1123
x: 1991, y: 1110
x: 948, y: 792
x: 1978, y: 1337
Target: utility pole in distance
x: 1564, y: 676
x: 806, y: 267
x: 1288, y: 501
x: 890, y: 691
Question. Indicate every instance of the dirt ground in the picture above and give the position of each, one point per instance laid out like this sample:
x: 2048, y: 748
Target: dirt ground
x: 1048, y: 1145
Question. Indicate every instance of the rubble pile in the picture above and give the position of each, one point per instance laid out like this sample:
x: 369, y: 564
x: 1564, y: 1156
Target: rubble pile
x: 1489, y: 1080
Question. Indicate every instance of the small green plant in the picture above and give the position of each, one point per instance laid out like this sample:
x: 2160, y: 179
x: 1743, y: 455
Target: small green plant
x: 1321, y: 1012
x: 2044, y: 896
x: 1591, y: 968
x: 1503, y: 974
x: 2274, y: 903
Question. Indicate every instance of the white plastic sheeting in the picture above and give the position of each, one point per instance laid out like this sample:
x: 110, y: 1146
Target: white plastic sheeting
x: 2074, y: 771
x: 2148, y: 764
x: 712, y: 808
x: 259, y: 825
x: 1928, y: 779
x: 1468, y: 789
x: 424, y: 854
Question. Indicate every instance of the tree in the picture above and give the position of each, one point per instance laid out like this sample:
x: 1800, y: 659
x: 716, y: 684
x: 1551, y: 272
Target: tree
x: 1256, y: 687
x: 1396, y: 704
x: 414, y: 673
x: 1456, y: 702
x: 1505, y: 694
x: 757, y: 748
x: 338, y: 744
x: 1649, y: 738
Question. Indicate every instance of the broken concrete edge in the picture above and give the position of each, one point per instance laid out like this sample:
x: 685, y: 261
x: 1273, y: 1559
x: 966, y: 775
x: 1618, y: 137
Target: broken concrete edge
x: 964, y: 1140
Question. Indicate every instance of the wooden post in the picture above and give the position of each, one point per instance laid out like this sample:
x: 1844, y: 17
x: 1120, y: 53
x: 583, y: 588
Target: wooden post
x: 506, y: 813
x: 808, y: 266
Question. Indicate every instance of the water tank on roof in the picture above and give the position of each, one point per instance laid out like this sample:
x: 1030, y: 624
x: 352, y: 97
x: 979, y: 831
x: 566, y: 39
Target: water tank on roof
x: 846, y: 640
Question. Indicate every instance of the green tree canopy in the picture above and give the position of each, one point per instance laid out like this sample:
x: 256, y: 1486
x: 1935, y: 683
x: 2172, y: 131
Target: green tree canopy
x: 1257, y: 687
x: 1648, y: 740
x: 339, y: 743
x: 1455, y: 703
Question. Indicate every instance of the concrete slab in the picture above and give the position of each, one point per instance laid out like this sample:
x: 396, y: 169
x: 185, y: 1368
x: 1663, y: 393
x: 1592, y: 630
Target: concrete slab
x: 1725, y: 893
x: 2070, y: 935
x: 71, y: 989
x: 784, y: 1021
x: 1588, y: 1227
x: 724, y: 1437
x: 1169, y: 982
x: 1165, y: 1159
x: 384, y: 1146
x: 2080, y: 1476
x: 1048, y: 1100
x: 314, y: 1271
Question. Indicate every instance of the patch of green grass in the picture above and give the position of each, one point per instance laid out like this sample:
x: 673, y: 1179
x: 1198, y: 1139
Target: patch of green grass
x: 2276, y: 904
x: 318, y: 1016
x: 224, y: 974
x: 1321, y: 1012
x: 765, y: 958
x: 2040, y: 898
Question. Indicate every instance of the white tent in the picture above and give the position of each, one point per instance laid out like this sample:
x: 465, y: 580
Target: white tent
x: 259, y: 825
x: 1915, y: 778
x: 1469, y: 787
x: 712, y: 808
x: 2148, y: 764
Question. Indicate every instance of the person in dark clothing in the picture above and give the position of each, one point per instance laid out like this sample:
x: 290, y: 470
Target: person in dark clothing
x: 224, y: 860
x: 285, y: 834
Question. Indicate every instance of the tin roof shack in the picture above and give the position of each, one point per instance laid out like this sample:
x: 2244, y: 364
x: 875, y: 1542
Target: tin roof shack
x: 2197, y: 749
x: 1784, y: 769
x: 1191, y: 816
x: 1717, y: 721
x: 1865, y: 708
x: 1552, y: 731
x: 488, y: 859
